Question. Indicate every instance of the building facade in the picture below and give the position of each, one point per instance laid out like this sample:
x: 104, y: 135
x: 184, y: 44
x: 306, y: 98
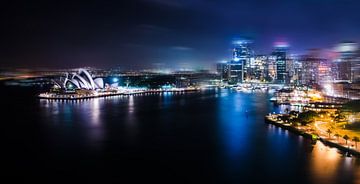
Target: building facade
x: 280, y: 55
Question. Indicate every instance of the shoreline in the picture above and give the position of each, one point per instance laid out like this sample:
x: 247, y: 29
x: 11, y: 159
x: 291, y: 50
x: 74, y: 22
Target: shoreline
x: 313, y: 137
x: 50, y: 96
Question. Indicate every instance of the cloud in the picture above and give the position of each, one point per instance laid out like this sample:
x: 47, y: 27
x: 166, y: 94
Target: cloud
x: 182, y: 48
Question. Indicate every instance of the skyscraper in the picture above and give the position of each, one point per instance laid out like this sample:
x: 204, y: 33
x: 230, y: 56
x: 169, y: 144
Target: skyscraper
x: 242, y: 51
x: 346, y: 62
x: 310, y: 65
x: 258, y: 68
x: 243, y: 55
x: 223, y: 70
x: 270, y: 69
x: 355, y: 68
x: 236, y: 72
x: 280, y: 54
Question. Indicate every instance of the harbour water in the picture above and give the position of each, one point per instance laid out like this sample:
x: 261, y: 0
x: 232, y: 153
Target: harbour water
x: 212, y: 136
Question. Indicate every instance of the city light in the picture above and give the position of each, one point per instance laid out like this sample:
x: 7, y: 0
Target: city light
x: 115, y: 79
x: 181, y: 91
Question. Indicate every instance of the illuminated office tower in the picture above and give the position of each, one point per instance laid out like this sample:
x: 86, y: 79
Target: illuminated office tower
x: 235, y: 72
x: 324, y: 71
x: 293, y: 68
x: 310, y: 64
x: 355, y: 68
x: 242, y: 56
x: 270, y: 69
x: 258, y: 67
x: 280, y: 54
x: 346, y: 64
x: 223, y: 70
x: 297, y: 72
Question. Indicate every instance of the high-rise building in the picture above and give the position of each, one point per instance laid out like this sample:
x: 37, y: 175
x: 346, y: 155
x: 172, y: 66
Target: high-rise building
x: 223, y: 70
x: 297, y: 71
x: 310, y: 67
x: 270, y: 69
x: 236, y: 73
x: 355, y: 68
x: 324, y: 71
x: 258, y: 67
x: 293, y: 68
x: 244, y: 55
x: 242, y: 51
x: 280, y: 54
x: 345, y: 65
x: 233, y: 71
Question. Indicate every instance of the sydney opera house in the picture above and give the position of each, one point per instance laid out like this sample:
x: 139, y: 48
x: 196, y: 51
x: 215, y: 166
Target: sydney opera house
x: 81, y: 85
x: 77, y: 85
x: 80, y: 80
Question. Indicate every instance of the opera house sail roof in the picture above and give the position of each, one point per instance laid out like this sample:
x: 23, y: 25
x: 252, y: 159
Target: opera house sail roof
x: 80, y: 80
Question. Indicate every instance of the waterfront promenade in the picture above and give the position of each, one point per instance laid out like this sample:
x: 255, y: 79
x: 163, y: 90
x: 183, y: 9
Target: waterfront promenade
x: 316, y: 131
x: 96, y: 94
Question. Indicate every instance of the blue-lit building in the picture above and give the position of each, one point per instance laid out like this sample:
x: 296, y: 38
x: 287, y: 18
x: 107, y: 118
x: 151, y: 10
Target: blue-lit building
x: 223, y: 70
x: 280, y: 55
x: 234, y: 70
x: 243, y: 55
x: 236, y: 73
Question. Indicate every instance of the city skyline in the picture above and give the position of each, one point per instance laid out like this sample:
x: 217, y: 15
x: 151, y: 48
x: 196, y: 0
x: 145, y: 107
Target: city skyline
x: 181, y: 91
x: 138, y: 34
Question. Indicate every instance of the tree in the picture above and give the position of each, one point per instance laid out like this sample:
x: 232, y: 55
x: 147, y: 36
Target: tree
x: 294, y: 121
x: 284, y: 118
x: 353, y: 106
x: 287, y: 110
x: 356, y: 140
x: 329, y: 131
x: 346, y: 137
x: 294, y: 113
x: 307, y: 117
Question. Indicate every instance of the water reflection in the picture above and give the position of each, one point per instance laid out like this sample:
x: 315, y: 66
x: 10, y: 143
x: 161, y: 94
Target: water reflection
x: 233, y: 129
x: 165, y: 99
x: 330, y: 166
x: 96, y: 130
x: 234, y: 123
x: 85, y: 114
x: 131, y: 106
x: 324, y: 163
x: 131, y: 119
x: 95, y: 112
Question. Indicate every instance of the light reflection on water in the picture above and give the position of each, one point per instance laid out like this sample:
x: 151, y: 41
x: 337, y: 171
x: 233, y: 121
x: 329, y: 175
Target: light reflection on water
x: 245, y: 140
x: 131, y: 120
x: 324, y: 163
x: 330, y: 166
x: 233, y: 124
x: 83, y: 113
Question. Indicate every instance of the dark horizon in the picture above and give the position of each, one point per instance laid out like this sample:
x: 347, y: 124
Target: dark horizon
x: 137, y: 34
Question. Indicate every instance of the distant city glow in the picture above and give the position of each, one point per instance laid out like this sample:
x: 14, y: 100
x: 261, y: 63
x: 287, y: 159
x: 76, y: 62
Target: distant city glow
x: 240, y: 42
x: 281, y: 44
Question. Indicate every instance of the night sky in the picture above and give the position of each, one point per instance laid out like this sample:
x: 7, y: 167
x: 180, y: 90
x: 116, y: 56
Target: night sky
x: 177, y: 33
